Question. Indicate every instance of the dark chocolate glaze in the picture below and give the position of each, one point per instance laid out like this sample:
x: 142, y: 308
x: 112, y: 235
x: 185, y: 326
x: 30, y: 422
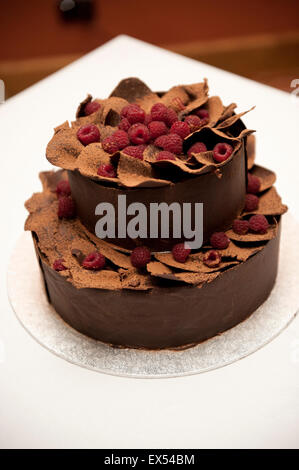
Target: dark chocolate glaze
x: 222, y: 197
x: 166, y: 317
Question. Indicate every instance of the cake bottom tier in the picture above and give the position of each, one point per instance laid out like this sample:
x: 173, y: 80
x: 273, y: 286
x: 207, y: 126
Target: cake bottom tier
x: 166, y: 317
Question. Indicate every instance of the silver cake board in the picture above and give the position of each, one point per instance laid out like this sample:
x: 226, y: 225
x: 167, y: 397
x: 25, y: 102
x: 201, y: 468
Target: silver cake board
x: 29, y: 301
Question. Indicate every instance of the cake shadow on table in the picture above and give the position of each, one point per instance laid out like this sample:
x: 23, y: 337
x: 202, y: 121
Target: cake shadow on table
x: 179, y: 146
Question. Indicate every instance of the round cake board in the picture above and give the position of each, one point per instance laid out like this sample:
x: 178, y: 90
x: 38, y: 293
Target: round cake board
x: 28, y: 298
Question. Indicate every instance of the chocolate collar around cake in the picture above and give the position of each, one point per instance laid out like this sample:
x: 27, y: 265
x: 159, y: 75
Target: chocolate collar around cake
x: 98, y: 172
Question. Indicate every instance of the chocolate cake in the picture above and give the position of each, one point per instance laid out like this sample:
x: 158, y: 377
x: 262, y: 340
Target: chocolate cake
x: 176, y: 147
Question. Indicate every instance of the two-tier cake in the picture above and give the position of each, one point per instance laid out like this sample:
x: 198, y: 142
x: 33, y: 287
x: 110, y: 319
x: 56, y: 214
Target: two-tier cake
x: 176, y: 147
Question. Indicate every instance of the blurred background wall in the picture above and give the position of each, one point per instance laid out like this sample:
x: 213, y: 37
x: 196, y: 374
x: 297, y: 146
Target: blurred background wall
x: 257, y: 38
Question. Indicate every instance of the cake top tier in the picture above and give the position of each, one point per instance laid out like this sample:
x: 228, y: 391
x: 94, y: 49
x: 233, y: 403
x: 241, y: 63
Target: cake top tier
x: 139, y: 138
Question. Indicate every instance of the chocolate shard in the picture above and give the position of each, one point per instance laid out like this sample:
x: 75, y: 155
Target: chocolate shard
x: 267, y: 177
x: 270, y: 203
x: 232, y: 119
x: 176, y: 98
x: 134, y: 173
x: 64, y: 148
x: 80, y: 109
x: 227, y: 112
x: 250, y: 147
x: 215, y: 107
x: 89, y: 160
x: 131, y: 89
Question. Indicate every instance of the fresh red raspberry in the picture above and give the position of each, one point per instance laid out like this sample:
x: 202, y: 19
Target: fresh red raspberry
x: 140, y: 256
x: 240, y: 227
x: 180, y: 128
x: 172, y: 117
x: 159, y: 112
x: 66, y: 207
x: 164, y: 155
x: 124, y: 111
x: 204, y: 116
x: 58, y: 265
x: 107, y: 170
x: 172, y: 143
x: 139, y: 134
x: 253, y: 184
x: 157, y: 128
x: 193, y: 121
x: 88, y: 134
x: 251, y: 202
x: 110, y: 145
x: 159, y: 142
x: 222, y: 152
x: 198, y: 147
x: 63, y: 188
x: 135, y: 151
x: 258, y: 223
x: 180, y: 253
x: 219, y: 240
x: 212, y: 258
x: 91, y: 107
x: 121, y: 138
x: 135, y: 114
x: 94, y: 260
x: 124, y: 125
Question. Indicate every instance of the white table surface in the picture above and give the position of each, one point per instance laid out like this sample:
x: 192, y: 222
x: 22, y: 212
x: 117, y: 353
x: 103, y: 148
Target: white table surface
x: 47, y: 402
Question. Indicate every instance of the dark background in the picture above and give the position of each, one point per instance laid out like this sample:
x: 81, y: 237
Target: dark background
x: 258, y: 38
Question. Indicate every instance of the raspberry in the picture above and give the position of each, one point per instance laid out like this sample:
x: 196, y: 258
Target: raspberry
x: 164, y: 155
x: 180, y: 128
x: 63, y: 188
x: 135, y: 114
x: 66, y: 207
x: 171, y: 117
x: 219, y: 240
x: 258, y: 224
x: 124, y: 111
x: 135, y: 151
x: 94, y: 260
x: 172, y: 143
x: 251, y: 203
x: 253, y: 184
x: 193, y: 121
x: 198, y: 147
x: 180, y: 253
x: 159, y: 112
x: 240, y: 227
x: 204, y: 116
x: 140, y: 256
x: 159, y: 142
x: 58, y: 265
x: 139, y: 134
x: 157, y: 128
x: 222, y: 151
x: 110, y: 145
x: 91, y: 107
x: 124, y: 125
x: 212, y: 258
x: 121, y: 138
x: 107, y: 170
x: 88, y: 134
